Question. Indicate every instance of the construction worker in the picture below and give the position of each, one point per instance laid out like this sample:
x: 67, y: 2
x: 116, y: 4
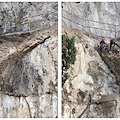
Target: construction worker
x: 113, y: 41
x: 102, y: 45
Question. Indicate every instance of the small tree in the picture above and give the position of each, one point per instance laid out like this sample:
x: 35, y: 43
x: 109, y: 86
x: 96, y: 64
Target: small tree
x: 68, y: 55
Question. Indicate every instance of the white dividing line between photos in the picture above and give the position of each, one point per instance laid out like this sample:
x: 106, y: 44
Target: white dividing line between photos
x: 59, y: 59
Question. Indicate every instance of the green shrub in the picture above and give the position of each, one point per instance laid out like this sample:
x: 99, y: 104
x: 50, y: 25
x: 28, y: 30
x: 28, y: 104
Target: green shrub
x: 64, y: 78
x: 71, y: 85
x: 68, y: 55
x: 117, y: 82
x: 18, y: 21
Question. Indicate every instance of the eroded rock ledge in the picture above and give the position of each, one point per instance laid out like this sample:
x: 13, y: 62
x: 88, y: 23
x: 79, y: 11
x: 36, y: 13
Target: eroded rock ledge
x: 28, y: 70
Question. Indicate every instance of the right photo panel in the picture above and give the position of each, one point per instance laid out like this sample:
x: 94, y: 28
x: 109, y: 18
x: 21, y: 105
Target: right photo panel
x: 90, y: 59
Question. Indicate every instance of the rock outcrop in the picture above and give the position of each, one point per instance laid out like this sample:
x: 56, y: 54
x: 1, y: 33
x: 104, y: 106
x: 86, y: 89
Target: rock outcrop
x: 76, y: 15
x: 91, y: 91
x: 26, y: 16
x: 112, y: 61
x: 28, y: 74
x: 93, y: 88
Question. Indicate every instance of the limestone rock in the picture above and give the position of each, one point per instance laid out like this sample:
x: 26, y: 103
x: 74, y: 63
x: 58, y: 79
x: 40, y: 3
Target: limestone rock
x: 93, y: 92
x: 102, y: 12
x: 26, y: 16
x: 28, y: 76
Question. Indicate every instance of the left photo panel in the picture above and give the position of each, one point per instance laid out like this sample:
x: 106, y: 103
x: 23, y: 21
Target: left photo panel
x: 28, y: 59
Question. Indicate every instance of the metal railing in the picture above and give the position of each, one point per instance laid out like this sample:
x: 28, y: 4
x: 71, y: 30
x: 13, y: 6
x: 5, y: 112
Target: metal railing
x: 69, y: 16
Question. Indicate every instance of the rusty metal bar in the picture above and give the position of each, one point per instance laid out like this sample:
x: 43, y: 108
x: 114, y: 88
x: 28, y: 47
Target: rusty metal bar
x: 88, y: 105
x: 28, y: 108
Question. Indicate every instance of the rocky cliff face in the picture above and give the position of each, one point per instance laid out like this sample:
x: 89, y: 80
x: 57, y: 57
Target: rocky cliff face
x: 102, y: 12
x: 91, y: 90
x: 26, y: 16
x: 28, y: 74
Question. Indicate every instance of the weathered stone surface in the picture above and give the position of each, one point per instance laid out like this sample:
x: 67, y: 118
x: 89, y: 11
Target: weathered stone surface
x: 17, y: 107
x: 26, y: 16
x: 91, y: 90
x: 30, y: 71
x: 103, y: 12
x: 112, y: 60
